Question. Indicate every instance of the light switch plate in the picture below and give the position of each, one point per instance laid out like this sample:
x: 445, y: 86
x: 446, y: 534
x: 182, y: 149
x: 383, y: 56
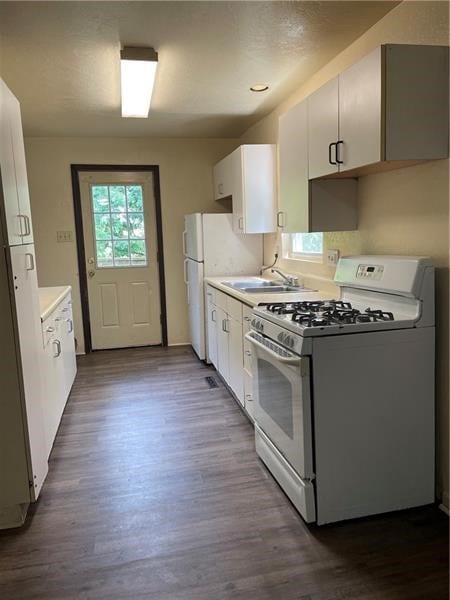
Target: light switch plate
x: 64, y: 236
x: 332, y: 257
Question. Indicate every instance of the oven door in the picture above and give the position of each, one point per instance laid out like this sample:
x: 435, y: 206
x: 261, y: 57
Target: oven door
x: 281, y: 390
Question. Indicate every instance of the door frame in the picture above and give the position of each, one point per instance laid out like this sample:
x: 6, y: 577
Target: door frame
x: 75, y: 170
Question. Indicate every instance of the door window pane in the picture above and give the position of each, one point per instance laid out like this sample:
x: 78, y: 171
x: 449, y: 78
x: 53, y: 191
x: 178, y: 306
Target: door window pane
x: 119, y: 226
x: 102, y: 227
x: 134, y: 198
x: 138, y: 252
x: 100, y: 198
x: 117, y: 197
x: 136, y: 221
x: 104, y: 254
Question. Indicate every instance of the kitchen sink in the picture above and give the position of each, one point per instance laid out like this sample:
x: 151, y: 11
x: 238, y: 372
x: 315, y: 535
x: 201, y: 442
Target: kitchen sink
x: 261, y: 286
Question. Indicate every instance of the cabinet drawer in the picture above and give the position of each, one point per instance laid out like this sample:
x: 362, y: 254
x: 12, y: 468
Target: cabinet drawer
x: 248, y: 394
x: 210, y: 295
x: 222, y: 300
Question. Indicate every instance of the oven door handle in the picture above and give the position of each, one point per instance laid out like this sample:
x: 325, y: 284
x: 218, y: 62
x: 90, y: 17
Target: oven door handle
x: 295, y: 360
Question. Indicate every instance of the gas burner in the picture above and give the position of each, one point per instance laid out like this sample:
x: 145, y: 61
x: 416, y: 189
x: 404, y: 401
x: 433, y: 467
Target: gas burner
x: 324, y: 313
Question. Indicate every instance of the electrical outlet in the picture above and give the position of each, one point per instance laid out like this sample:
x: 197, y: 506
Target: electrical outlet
x: 64, y: 236
x: 332, y: 257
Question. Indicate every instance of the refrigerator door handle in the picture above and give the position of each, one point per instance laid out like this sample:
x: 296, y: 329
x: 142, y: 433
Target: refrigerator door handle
x: 184, y: 243
x: 185, y: 276
x: 30, y: 261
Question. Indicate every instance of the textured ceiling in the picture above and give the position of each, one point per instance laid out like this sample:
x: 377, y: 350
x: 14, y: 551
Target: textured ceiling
x: 61, y: 59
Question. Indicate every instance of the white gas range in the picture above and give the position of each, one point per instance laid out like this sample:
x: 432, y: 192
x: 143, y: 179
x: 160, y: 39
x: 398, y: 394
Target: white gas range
x: 344, y: 391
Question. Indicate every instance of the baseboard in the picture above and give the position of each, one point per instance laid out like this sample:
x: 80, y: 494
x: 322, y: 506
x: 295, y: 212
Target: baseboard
x: 179, y: 344
x: 444, y: 506
x: 444, y: 509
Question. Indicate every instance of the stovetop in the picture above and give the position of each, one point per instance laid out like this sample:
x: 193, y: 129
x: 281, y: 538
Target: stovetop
x: 323, y: 313
x: 329, y: 317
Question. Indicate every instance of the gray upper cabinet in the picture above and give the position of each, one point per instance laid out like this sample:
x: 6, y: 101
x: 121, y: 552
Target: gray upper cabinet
x: 323, y: 129
x: 388, y: 108
x: 360, y: 118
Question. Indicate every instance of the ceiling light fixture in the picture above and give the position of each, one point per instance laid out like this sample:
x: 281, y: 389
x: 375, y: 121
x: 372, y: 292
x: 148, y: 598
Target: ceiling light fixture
x: 259, y: 87
x: 138, y: 72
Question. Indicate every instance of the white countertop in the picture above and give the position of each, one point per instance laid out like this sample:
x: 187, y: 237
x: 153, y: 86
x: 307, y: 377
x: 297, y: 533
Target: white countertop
x: 253, y: 299
x: 50, y: 297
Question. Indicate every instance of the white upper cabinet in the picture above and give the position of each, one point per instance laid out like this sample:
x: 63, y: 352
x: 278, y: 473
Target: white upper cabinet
x: 323, y: 129
x: 388, y: 108
x: 14, y: 181
x: 248, y: 175
x: 8, y: 175
x: 21, y: 172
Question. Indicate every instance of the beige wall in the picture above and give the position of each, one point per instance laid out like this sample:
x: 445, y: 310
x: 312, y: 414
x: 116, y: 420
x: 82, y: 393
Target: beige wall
x: 404, y: 211
x: 186, y: 186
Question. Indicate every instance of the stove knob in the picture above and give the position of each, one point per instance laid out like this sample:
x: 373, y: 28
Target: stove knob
x: 280, y: 337
x: 253, y: 323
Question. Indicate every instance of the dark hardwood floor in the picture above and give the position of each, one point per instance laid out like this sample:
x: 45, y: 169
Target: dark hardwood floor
x: 155, y: 492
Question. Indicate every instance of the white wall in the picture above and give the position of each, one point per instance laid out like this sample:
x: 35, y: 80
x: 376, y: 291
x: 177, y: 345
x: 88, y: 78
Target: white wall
x: 400, y: 212
x: 186, y: 186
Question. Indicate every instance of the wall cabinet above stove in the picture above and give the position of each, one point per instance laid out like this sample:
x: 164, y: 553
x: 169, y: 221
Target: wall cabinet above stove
x: 304, y: 206
x: 248, y: 176
x: 388, y: 110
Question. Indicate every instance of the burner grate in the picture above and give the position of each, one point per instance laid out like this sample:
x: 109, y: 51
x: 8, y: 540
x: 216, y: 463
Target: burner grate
x: 323, y: 313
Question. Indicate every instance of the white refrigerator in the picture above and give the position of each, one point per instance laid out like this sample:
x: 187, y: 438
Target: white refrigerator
x: 211, y: 249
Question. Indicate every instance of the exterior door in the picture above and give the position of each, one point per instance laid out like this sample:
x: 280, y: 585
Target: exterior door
x: 120, y: 240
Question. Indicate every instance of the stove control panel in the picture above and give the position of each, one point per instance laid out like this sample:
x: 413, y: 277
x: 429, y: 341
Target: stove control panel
x: 370, y: 272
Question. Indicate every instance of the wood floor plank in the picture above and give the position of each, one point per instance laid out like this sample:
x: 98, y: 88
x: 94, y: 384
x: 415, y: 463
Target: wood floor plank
x: 155, y: 492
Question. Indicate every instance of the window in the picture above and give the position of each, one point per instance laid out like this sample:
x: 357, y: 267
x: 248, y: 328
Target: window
x: 118, y: 215
x: 307, y: 246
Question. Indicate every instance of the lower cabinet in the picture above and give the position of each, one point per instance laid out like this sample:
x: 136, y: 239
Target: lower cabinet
x: 59, y: 366
x: 228, y: 322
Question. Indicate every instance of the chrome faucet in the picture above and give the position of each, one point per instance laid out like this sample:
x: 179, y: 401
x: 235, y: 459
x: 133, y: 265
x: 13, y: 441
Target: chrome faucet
x: 289, y: 279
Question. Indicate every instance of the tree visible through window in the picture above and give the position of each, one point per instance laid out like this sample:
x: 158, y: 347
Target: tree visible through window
x: 304, y: 244
x: 118, y: 214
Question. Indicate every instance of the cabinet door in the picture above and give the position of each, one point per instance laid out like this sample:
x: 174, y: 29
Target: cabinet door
x: 223, y: 184
x: 323, y: 118
x: 222, y: 344
x: 30, y: 341
x: 8, y: 175
x: 360, y: 113
x: 237, y: 184
x: 259, y: 188
x: 21, y: 171
x: 212, y: 333
x: 68, y: 347
x: 236, y: 362
x: 293, y: 170
x: 51, y: 403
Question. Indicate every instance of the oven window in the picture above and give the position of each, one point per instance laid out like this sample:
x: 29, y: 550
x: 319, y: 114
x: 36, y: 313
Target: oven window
x: 275, y: 396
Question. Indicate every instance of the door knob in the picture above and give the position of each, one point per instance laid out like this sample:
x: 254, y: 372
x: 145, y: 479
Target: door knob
x: 91, y: 260
x: 91, y: 273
